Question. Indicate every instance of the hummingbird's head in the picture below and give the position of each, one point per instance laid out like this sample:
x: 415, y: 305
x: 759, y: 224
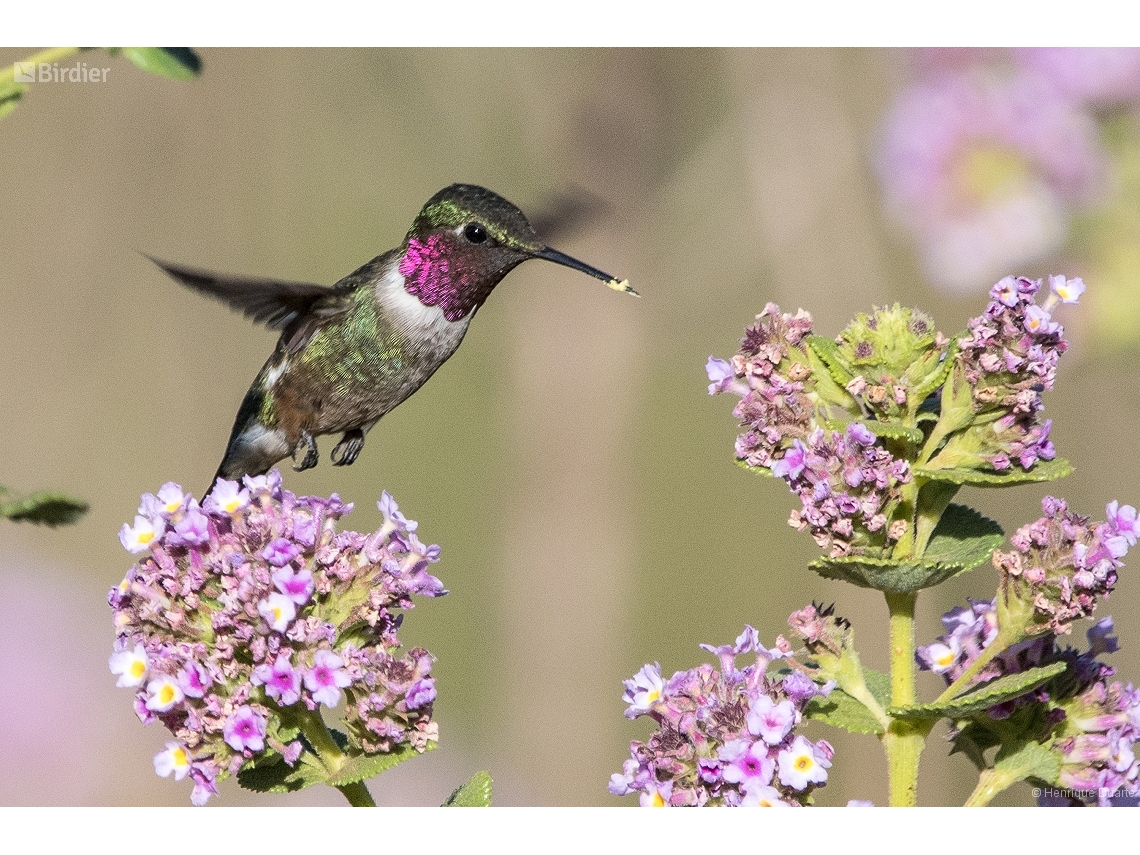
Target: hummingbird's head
x: 462, y: 244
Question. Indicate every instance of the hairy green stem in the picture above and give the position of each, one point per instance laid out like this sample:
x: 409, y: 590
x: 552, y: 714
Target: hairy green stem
x: 903, y: 741
x: 990, y: 783
x: 331, y: 757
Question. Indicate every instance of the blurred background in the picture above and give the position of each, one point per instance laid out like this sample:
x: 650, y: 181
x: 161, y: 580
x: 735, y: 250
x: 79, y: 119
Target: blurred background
x: 568, y: 458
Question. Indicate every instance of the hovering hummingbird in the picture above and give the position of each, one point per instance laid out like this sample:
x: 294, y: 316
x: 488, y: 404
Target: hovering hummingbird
x: 349, y: 354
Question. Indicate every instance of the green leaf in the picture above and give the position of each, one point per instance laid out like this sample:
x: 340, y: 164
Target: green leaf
x: 962, y: 540
x: 10, y: 95
x: 1043, y: 470
x: 44, y: 507
x: 365, y: 766
x: 973, y: 742
x: 922, y: 387
x: 884, y: 574
x: 886, y: 430
x: 963, y: 536
x: 475, y: 793
x: 841, y: 710
x: 756, y: 470
x: 272, y: 774
x: 827, y: 351
x: 985, y: 696
x: 1020, y: 760
x: 177, y: 63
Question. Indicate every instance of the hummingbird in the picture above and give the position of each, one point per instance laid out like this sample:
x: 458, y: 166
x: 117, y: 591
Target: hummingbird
x: 350, y: 353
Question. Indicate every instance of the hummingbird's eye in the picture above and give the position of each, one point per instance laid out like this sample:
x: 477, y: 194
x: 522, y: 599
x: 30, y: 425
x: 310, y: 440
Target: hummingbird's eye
x: 475, y: 233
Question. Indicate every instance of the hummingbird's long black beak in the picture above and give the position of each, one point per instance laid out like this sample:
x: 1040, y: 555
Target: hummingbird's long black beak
x: 566, y: 261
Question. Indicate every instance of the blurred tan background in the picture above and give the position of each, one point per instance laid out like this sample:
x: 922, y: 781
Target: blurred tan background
x: 567, y: 459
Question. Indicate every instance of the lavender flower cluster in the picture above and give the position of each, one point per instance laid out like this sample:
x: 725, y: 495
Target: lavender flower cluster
x: 1010, y: 357
x: 1062, y: 562
x: 726, y: 736
x: 250, y: 612
x: 1091, y: 723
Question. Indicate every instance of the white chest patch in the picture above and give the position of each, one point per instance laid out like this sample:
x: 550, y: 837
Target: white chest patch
x: 426, y: 326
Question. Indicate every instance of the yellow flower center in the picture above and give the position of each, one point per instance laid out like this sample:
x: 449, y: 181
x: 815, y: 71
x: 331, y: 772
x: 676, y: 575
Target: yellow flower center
x: 138, y: 668
x: 803, y: 763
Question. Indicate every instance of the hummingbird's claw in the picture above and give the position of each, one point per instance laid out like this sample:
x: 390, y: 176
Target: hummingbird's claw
x: 348, y: 448
x: 311, y: 456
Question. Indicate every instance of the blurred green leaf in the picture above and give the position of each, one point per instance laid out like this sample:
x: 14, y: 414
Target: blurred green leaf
x: 177, y: 63
x: 10, y: 95
x: 44, y: 507
x: 475, y: 793
x: 973, y: 742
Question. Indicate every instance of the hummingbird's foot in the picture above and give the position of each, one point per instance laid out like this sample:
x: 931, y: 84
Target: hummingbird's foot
x: 347, y: 450
x: 311, y: 457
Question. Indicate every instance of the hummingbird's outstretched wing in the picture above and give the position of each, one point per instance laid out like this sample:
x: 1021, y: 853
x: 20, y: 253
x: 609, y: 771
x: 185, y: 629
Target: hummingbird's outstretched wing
x: 275, y: 303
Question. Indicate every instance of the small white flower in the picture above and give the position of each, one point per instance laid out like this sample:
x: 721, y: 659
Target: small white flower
x: 1069, y: 290
x: 138, y: 538
x: 278, y: 610
x: 162, y: 694
x: 227, y: 496
x: 802, y: 764
x: 130, y: 665
x: 173, y: 760
x: 943, y: 656
x: 644, y: 690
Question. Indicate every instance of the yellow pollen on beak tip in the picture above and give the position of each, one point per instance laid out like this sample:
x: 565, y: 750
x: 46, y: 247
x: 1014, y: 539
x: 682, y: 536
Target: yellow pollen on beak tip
x: 622, y: 285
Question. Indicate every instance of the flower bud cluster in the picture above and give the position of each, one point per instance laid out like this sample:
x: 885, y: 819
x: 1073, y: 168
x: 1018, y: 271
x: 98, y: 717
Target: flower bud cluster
x: 769, y: 375
x: 1009, y: 358
x: 1061, y: 563
x: 846, y: 484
